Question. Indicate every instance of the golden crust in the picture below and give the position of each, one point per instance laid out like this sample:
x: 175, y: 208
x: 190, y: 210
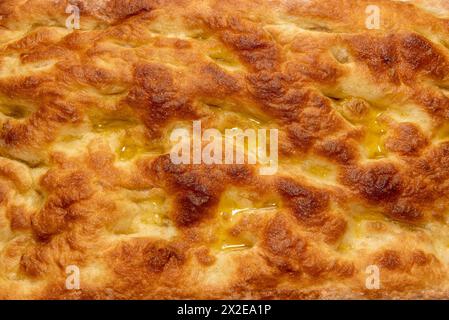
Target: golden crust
x: 86, y: 180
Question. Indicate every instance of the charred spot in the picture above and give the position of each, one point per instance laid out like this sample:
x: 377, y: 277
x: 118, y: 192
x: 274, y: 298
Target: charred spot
x: 378, y: 182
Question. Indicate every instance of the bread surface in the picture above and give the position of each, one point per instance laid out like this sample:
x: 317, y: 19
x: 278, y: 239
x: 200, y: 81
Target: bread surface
x: 86, y: 179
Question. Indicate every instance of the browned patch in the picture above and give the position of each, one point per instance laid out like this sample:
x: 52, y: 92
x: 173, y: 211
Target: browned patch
x: 399, y: 57
x: 406, y: 139
x: 86, y: 179
x: 308, y: 204
x: 156, y: 98
x: 19, y: 218
x: 377, y: 182
x: 389, y: 259
x: 196, y: 188
x: 339, y: 150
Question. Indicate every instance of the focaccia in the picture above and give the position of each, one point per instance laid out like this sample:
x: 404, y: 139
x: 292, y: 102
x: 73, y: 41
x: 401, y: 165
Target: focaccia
x: 93, y: 207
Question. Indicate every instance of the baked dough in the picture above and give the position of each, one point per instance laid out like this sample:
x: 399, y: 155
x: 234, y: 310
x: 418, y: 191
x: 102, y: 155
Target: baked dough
x: 86, y: 178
